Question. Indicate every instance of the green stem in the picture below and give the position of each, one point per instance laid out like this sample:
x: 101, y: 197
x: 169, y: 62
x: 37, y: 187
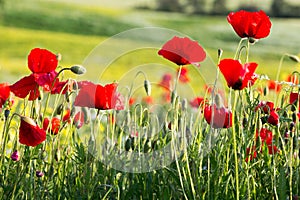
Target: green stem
x: 235, y: 148
x: 238, y: 48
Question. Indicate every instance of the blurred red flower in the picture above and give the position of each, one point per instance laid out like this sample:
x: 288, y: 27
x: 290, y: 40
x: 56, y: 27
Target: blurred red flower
x: 294, y: 97
x: 182, y: 51
x: 166, y: 81
x: 100, y: 97
x: 197, y: 102
x: 30, y: 134
x: 273, y: 85
x: 237, y: 75
x: 148, y: 100
x: 218, y: 117
x: 250, y: 24
x: 79, y: 119
x: 4, y: 93
x: 54, y: 126
x: 131, y: 101
x: 293, y: 79
x: 183, y: 77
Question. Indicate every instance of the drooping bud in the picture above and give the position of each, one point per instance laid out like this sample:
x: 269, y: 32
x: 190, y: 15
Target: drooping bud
x: 59, y: 109
x: 6, y: 113
x: 294, y: 58
x: 78, y: 69
x: 15, y: 156
x: 147, y: 86
x: 184, y: 104
x: 219, y: 101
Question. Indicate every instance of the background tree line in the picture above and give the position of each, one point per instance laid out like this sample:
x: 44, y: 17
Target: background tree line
x: 278, y: 8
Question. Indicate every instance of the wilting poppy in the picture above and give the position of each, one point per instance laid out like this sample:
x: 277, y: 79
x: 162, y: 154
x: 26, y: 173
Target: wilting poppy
x: 166, y: 81
x: 30, y: 134
x: 25, y: 86
x: 183, y: 77
x: 197, y: 102
x: 237, y: 75
x: 100, y: 97
x: 54, y: 126
x: 218, y: 117
x: 255, y: 25
x: 4, y: 93
x: 182, y: 51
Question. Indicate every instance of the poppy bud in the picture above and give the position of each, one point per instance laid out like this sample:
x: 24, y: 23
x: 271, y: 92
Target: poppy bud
x: 128, y: 144
x: 15, y: 156
x: 57, y: 155
x: 245, y: 121
x: 266, y: 91
x: 219, y: 101
x: 78, y: 69
x: 6, y: 113
x: 147, y: 86
x: 184, y: 104
x: 294, y: 117
x: 59, y: 109
x: 67, y: 96
x: 147, y: 146
x: 39, y: 173
x: 58, y: 56
x: 294, y: 58
x: 292, y: 125
x: 220, y: 52
x: 173, y: 96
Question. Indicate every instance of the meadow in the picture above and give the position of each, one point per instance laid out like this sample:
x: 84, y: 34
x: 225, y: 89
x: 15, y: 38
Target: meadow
x: 144, y: 142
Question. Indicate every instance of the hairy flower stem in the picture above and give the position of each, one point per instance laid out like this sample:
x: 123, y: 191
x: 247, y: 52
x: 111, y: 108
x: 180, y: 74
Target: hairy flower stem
x: 238, y: 48
x: 235, y: 147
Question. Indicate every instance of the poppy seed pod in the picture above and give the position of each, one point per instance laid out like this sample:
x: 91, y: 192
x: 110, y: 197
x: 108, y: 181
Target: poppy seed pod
x: 147, y: 86
x: 78, y: 69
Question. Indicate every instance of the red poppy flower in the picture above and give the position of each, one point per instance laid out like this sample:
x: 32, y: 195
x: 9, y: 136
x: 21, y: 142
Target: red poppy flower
x: 218, y: 117
x: 4, y: 93
x: 250, y: 24
x: 29, y: 132
x: 266, y: 136
x: 197, y: 102
x: 251, y: 153
x: 42, y: 61
x: 182, y: 51
x: 62, y: 87
x: 266, y: 107
x: 25, y: 86
x: 183, y: 77
x: 166, y: 81
x: 272, y: 149
x: 67, y: 116
x: 273, y: 85
x: 55, y: 125
x: 238, y: 76
x: 100, y: 97
x: 273, y: 118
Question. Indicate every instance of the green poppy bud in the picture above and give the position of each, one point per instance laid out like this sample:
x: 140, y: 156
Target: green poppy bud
x: 147, y: 86
x: 78, y: 69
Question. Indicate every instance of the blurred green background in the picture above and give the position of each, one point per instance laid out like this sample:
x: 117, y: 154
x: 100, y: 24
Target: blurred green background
x: 74, y: 28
